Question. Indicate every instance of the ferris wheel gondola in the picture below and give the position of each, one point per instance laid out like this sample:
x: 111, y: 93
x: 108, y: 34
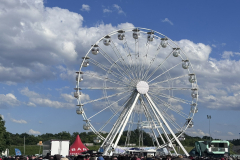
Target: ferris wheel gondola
x: 135, y: 77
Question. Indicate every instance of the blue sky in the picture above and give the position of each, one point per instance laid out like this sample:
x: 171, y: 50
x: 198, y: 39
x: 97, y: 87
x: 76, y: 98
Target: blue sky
x: 43, y: 41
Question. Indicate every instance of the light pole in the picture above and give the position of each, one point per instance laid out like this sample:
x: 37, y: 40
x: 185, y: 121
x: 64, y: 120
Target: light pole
x: 209, y: 117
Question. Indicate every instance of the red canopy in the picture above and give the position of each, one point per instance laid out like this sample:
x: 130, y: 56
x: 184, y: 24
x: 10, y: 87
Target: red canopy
x: 77, y: 147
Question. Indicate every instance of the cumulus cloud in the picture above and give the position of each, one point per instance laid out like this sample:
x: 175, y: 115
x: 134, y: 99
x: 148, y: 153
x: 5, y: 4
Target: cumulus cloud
x: 9, y: 99
x: 36, y: 99
x: 196, y: 132
x: 230, y: 133
x: 168, y: 21
x: 119, y: 9
x: 2, y: 116
x: 85, y: 7
x: 105, y: 10
x: 31, y: 131
x: 19, y: 121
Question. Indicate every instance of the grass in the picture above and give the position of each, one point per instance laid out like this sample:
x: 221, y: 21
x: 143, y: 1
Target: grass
x: 29, y: 149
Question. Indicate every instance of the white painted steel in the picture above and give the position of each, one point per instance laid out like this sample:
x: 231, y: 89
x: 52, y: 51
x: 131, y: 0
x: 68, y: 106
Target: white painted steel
x: 134, y: 66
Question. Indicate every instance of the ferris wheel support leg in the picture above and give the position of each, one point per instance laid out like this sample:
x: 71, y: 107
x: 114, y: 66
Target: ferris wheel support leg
x: 147, y: 114
x: 120, y: 125
x: 165, y: 133
x: 126, y: 120
x: 177, y: 140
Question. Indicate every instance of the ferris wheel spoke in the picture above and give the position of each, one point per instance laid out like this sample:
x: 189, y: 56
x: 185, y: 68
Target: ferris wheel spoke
x: 151, y: 62
x: 169, y: 80
x: 168, y: 117
x: 118, y: 67
x: 106, y: 79
x: 172, y: 97
x: 169, y: 106
x: 120, y: 77
x: 105, y: 97
x: 165, y: 72
x: 107, y: 107
x: 159, y: 66
x: 105, y: 68
x: 122, y: 60
x: 125, y: 43
x: 110, y: 69
x: 170, y: 88
x: 119, y: 109
x: 101, y: 88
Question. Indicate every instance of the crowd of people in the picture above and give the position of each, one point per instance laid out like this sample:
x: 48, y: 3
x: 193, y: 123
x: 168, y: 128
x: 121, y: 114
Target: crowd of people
x: 117, y: 157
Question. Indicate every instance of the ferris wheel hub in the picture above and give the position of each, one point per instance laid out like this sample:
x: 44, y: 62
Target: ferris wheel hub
x: 142, y: 87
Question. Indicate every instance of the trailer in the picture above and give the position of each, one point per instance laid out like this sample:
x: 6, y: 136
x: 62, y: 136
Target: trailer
x: 214, y: 148
x: 53, y: 147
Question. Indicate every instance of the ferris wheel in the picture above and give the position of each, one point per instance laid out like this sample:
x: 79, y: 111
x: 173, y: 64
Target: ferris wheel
x: 136, y: 78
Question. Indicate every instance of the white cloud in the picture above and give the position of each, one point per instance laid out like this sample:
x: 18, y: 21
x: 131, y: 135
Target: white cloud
x: 8, y: 99
x: 36, y: 99
x: 31, y: 104
x: 105, y: 10
x: 25, y: 91
x: 230, y: 133
x: 31, y: 131
x: 45, y: 102
x: 119, y: 9
x: 168, y: 21
x: 227, y: 54
x: 85, y: 7
x: 213, y: 45
x: 2, y: 116
x: 19, y: 121
x: 196, y: 132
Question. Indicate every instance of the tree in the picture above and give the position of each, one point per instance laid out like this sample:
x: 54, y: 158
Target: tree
x: 4, y: 136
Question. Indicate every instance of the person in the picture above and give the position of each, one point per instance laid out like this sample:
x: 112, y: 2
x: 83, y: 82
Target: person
x: 100, y: 157
x: 169, y: 157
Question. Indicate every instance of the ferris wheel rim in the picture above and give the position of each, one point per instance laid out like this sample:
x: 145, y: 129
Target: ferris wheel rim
x: 113, y: 33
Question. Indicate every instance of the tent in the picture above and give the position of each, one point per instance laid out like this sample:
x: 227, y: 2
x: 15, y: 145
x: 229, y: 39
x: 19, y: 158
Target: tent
x: 77, y: 147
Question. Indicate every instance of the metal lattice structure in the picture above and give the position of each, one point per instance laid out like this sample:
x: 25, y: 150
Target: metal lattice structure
x: 140, y: 78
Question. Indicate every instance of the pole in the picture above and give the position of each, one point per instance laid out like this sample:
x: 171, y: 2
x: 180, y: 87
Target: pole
x: 209, y: 117
x: 24, y: 145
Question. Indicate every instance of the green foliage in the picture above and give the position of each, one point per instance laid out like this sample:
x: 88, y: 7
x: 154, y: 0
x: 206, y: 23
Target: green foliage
x: 29, y: 149
x: 4, y: 136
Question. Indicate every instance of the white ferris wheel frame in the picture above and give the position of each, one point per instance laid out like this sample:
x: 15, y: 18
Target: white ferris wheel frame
x: 120, y: 124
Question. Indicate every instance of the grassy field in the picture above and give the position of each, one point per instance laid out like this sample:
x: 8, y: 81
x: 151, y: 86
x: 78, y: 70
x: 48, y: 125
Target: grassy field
x: 29, y: 149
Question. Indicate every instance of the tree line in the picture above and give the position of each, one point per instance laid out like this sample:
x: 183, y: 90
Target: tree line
x: 7, y: 138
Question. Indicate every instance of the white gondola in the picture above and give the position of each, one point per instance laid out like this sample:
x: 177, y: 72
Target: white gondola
x: 86, y: 62
x: 190, y: 123
x: 77, y: 94
x: 182, y: 138
x: 185, y: 64
x: 107, y: 40
x: 176, y: 52
x: 79, y: 78
x: 95, y: 49
x: 121, y: 34
x: 164, y: 42
x: 194, y: 93
x: 194, y: 108
x: 96, y: 140
x: 192, y: 78
x: 136, y: 33
x: 79, y: 111
x: 86, y: 126
x: 150, y: 36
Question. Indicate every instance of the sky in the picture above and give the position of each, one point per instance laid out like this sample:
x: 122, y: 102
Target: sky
x: 42, y: 43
